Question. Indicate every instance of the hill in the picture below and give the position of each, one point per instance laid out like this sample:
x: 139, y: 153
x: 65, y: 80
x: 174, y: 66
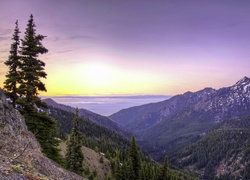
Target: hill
x: 93, y: 135
x: 20, y: 153
x: 170, y: 125
x: 224, y: 153
x: 92, y: 162
x: 96, y: 118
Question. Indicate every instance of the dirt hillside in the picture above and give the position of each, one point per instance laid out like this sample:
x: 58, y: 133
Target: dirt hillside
x: 92, y: 161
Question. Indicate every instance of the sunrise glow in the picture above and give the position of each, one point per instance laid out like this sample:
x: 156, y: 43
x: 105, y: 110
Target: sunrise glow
x: 101, y: 48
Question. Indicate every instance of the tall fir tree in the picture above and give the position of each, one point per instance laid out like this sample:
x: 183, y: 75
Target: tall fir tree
x: 13, y: 62
x: 32, y: 68
x: 135, y: 159
x: 74, y: 155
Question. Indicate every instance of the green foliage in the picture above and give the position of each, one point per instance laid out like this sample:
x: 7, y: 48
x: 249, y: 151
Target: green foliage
x: 147, y: 170
x: 170, y: 136
x: 115, y: 147
x: 17, y: 169
x: 108, y: 176
x: 32, y: 68
x: 74, y: 155
x: 44, y: 127
x: 23, y: 83
x: 13, y: 63
x: 164, y: 174
x: 93, y: 175
x: 101, y: 160
x: 86, y: 171
x: 93, y: 135
x: 225, y: 148
x: 135, y: 159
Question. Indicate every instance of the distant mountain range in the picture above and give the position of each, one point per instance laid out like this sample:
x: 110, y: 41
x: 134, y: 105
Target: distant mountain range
x: 170, y: 125
x: 96, y: 118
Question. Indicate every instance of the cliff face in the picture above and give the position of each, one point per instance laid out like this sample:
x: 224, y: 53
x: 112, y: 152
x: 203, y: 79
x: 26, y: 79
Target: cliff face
x: 20, y: 154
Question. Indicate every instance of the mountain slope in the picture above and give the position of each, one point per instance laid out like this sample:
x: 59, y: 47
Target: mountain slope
x: 183, y: 119
x: 20, y: 153
x: 93, y: 134
x: 140, y: 118
x: 224, y: 153
x: 92, y: 162
x: 101, y: 139
x: 96, y: 118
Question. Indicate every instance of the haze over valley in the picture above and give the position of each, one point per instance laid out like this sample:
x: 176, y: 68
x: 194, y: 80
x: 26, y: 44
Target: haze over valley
x: 106, y: 105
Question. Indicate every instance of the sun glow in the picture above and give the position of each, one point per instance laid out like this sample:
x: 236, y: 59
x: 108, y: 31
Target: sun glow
x: 83, y: 79
x: 97, y: 78
x: 98, y: 75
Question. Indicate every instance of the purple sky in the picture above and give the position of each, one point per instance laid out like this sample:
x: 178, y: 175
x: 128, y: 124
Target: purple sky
x: 135, y: 46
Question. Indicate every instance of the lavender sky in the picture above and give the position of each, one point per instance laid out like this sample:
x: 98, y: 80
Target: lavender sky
x: 107, y: 47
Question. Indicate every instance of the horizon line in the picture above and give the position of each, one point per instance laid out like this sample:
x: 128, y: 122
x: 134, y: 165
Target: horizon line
x: 110, y: 95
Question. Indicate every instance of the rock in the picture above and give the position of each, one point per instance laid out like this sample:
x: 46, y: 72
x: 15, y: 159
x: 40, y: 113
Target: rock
x: 19, y: 148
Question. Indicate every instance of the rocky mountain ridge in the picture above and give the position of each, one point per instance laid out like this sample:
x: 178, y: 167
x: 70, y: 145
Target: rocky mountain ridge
x: 207, y: 99
x: 183, y: 119
x: 20, y: 154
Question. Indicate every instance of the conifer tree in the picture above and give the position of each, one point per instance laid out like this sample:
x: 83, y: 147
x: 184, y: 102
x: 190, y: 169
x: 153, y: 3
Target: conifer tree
x: 129, y: 169
x: 118, y: 170
x: 74, y: 155
x: 23, y: 83
x: 135, y: 159
x: 165, y: 171
x: 13, y: 62
x: 32, y: 68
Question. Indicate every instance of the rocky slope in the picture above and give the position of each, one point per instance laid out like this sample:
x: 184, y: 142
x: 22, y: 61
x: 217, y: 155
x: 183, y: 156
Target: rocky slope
x: 96, y: 118
x: 183, y: 119
x: 20, y: 153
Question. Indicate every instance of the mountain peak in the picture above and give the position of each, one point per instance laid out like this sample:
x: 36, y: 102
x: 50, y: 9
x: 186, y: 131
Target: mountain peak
x: 49, y: 101
x: 244, y: 80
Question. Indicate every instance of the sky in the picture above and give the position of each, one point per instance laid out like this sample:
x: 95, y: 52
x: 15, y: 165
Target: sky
x: 134, y: 47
